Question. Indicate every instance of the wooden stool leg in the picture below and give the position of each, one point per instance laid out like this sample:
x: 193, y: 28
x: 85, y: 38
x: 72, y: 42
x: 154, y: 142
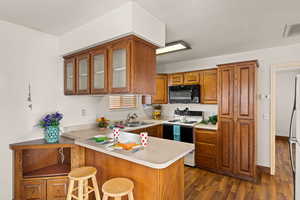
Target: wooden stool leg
x: 96, y: 189
x: 105, y: 197
x: 86, y: 190
x: 70, y: 190
x: 130, y: 196
x: 80, y: 190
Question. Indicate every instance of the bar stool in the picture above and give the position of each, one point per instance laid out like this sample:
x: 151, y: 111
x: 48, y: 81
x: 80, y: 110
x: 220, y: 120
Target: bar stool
x: 118, y: 187
x: 82, y: 175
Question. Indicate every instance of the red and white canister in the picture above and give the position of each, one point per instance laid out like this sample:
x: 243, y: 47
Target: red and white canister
x: 116, y: 133
x: 144, y: 138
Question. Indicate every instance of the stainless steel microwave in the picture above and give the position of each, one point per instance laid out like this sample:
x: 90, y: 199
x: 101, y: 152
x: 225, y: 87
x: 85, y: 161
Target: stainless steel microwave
x: 184, y: 94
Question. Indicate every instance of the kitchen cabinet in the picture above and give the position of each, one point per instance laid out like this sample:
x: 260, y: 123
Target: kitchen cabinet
x: 70, y: 76
x: 237, y: 117
x: 206, y: 149
x: 33, y: 189
x: 191, y: 78
x: 45, y: 189
x: 206, y: 78
x: 226, y: 144
x: 161, y: 91
x: 176, y: 79
x: 119, y: 71
x: 154, y: 131
x: 209, y: 86
x: 99, y: 71
x: 83, y: 74
x: 38, y: 169
x: 125, y: 65
x: 57, y: 189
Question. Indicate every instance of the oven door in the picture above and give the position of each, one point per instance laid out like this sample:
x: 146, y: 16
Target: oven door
x: 184, y: 94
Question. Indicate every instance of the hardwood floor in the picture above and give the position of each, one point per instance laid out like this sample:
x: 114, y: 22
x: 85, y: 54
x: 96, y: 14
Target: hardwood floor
x: 204, y: 185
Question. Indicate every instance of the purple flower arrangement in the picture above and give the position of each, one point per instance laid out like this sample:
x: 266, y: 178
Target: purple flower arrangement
x: 51, y: 119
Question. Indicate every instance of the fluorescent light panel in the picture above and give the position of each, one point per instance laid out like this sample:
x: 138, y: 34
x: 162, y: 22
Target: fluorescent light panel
x: 173, y: 47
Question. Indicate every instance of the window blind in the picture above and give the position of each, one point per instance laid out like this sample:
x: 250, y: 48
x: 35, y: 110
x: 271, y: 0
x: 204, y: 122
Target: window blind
x: 122, y: 101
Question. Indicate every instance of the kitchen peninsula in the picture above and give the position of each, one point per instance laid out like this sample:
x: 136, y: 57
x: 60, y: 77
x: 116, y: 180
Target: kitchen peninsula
x: 157, y: 171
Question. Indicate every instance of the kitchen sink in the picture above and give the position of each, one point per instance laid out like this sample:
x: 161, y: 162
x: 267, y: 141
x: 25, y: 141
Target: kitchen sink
x: 137, y: 124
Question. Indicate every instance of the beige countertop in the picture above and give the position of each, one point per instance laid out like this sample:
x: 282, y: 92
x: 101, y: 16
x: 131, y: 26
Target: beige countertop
x: 160, y: 153
x: 207, y: 126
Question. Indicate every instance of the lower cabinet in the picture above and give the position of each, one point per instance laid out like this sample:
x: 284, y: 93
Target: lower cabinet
x: 57, y: 189
x: 153, y: 131
x: 33, y: 190
x: 206, y: 149
x: 44, y: 189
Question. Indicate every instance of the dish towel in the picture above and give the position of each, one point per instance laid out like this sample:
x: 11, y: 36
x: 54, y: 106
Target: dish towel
x: 176, y: 131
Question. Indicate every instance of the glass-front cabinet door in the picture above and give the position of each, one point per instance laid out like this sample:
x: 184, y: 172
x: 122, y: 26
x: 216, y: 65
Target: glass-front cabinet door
x: 119, y: 67
x: 83, y: 74
x: 99, y: 71
x: 70, y: 77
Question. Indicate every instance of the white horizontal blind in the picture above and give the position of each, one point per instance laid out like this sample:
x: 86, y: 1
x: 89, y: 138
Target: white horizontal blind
x: 123, y: 101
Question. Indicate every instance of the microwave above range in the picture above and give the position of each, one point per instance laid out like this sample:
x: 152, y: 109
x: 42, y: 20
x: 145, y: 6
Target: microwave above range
x: 184, y: 94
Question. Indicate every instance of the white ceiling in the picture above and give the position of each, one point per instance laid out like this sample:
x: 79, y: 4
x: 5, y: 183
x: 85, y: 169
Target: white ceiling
x: 211, y: 27
x: 55, y: 16
x: 216, y: 27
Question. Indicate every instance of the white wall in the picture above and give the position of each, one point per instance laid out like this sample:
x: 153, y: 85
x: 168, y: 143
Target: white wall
x: 26, y: 56
x: 285, y: 89
x: 129, y: 18
x: 266, y: 58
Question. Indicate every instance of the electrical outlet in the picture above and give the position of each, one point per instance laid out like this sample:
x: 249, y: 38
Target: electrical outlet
x: 83, y: 112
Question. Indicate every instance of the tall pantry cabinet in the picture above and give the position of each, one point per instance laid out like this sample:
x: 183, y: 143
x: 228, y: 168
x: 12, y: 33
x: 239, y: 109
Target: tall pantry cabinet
x: 237, y: 119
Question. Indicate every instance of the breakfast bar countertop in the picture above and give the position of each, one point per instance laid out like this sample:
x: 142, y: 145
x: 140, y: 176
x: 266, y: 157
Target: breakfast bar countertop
x: 159, y: 154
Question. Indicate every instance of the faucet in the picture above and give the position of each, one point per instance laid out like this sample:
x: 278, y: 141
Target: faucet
x: 131, y: 116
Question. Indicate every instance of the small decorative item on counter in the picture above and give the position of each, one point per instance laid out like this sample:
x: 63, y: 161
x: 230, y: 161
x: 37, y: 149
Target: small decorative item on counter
x: 213, y: 119
x: 203, y: 121
x: 50, y: 124
x: 156, y: 114
x: 116, y: 133
x: 102, y: 122
x: 144, y: 138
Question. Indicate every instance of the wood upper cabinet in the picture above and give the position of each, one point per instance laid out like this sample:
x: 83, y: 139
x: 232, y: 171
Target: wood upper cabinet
x: 70, y: 76
x: 99, y: 71
x: 57, y: 189
x: 209, y: 86
x: 161, y: 92
x: 33, y: 190
x: 83, y: 74
x: 119, y: 67
x: 176, y: 79
x: 191, y: 78
x: 126, y: 65
x: 226, y: 91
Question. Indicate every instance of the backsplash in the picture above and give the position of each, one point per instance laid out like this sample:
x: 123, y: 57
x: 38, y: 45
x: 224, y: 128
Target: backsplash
x: 168, y: 109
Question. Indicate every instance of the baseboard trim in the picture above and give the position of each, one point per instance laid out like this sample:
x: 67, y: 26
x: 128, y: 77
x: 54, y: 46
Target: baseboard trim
x: 284, y: 138
x: 264, y: 169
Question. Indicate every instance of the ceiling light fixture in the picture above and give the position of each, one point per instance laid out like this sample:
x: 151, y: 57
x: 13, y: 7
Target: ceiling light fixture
x: 173, y: 47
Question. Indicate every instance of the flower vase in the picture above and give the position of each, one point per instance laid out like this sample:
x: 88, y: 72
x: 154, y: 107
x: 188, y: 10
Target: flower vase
x: 51, y: 134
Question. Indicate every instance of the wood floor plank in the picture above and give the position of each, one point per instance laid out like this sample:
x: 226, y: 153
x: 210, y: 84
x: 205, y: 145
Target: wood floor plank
x: 204, y: 185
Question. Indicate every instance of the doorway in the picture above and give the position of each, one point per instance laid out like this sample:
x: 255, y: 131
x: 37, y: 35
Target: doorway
x: 282, y: 97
